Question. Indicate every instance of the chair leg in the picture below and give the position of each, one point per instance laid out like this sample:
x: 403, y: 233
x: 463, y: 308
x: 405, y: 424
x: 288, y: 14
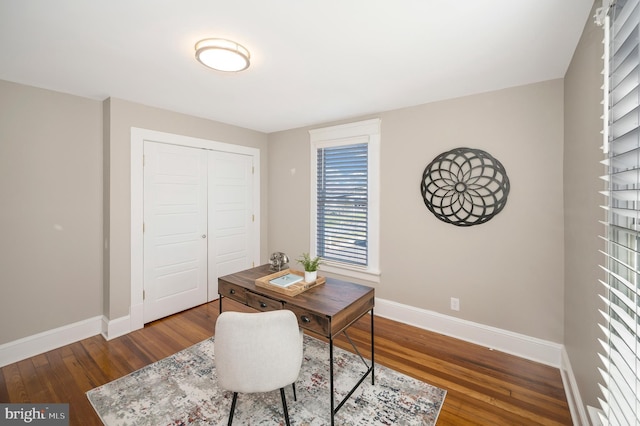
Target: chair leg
x: 233, y: 408
x: 293, y: 385
x: 284, y: 406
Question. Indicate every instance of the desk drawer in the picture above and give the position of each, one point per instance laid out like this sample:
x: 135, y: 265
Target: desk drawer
x: 233, y: 291
x: 311, y: 321
x: 263, y: 303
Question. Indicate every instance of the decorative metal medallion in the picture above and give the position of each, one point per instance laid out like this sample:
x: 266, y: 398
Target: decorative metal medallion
x: 465, y: 187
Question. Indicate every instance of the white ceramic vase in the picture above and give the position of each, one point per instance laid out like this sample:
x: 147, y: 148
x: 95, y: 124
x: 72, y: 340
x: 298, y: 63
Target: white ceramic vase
x: 310, y: 277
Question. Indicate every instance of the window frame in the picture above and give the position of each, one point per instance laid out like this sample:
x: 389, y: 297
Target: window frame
x: 367, y: 131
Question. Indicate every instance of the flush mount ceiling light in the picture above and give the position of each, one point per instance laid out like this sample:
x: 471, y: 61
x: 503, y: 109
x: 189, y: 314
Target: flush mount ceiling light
x: 222, y: 55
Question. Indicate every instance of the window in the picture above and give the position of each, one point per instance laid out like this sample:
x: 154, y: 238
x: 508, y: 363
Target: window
x: 345, y: 198
x: 621, y: 372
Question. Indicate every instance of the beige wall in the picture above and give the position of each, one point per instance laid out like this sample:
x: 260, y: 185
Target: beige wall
x: 582, y: 168
x: 51, y: 214
x: 507, y: 273
x: 123, y: 115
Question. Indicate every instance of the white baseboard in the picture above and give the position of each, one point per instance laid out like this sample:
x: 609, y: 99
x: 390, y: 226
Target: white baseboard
x: 574, y: 400
x: 123, y: 325
x: 538, y: 350
x: 29, y: 346
x: 116, y: 328
x: 136, y: 312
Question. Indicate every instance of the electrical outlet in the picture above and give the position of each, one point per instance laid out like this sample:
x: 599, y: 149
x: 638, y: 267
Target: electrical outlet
x: 455, y: 304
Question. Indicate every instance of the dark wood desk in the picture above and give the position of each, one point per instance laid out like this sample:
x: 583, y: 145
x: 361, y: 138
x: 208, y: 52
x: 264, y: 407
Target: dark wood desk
x: 327, y: 310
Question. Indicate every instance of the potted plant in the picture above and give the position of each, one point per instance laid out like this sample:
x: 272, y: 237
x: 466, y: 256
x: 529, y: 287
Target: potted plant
x: 310, y: 267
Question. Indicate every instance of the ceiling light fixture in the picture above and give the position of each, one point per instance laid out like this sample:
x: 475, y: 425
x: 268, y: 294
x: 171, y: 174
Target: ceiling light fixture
x: 222, y: 55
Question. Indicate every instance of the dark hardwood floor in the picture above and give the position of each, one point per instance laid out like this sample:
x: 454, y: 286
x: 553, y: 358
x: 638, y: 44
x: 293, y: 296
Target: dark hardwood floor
x: 484, y: 387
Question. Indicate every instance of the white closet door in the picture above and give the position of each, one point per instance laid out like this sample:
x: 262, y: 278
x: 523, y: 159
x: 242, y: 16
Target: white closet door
x: 231, y: 216
x: 175, y: 229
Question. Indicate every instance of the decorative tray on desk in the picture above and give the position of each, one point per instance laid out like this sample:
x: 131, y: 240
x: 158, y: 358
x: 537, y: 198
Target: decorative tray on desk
x: 278, y: 282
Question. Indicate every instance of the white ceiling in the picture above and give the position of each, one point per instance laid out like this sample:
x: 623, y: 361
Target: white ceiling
x: 311, y: 61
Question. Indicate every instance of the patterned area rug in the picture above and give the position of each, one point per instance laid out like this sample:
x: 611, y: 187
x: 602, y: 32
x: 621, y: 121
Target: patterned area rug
x: 182, y: 390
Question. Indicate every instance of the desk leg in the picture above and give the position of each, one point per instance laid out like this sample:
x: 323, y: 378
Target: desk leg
x: 331, y: 379
x: 373, y: 362
x: 370, y: 369
x: 220, y: 300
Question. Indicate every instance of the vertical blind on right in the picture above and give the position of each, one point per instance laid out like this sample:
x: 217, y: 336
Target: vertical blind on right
x: 621, y: 372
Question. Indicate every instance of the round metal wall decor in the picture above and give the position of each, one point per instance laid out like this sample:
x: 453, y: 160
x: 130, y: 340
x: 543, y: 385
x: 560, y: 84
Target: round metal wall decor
x: 465, y: 187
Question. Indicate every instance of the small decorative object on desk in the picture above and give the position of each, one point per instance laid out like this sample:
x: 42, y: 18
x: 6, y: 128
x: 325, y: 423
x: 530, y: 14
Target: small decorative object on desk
x: 288, y: 282
x: 278, y: 261
x: 310, y: 266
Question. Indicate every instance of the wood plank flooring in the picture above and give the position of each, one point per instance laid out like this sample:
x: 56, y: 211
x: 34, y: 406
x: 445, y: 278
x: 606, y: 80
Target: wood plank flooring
x: 484, y: 387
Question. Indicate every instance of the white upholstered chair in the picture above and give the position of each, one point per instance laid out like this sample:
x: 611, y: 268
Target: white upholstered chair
x: 257, y: 352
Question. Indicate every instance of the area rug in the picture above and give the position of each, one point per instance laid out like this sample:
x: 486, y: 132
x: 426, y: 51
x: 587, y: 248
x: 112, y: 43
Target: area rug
x: 182, y: 390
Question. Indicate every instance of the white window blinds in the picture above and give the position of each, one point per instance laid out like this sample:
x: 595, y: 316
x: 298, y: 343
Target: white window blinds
x: 342, y: 197
x: 345, y: 198
x: 621, y: 372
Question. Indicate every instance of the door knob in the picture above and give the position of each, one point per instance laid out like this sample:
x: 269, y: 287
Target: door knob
x: 204, y: 236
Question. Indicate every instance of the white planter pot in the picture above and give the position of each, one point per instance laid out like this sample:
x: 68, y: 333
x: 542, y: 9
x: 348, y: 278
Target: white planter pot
x: 310, y: 277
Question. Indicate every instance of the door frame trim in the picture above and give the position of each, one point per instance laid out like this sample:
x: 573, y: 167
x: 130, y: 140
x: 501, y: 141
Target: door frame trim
x: 138, y: 136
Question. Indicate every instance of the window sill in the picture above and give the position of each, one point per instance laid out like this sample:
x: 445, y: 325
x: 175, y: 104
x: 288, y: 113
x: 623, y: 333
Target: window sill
x: 365, y: 274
